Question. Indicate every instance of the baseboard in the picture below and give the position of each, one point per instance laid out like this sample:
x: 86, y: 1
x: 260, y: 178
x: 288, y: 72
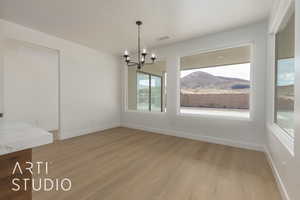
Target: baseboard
x: 74, y: 133
x: 199, y: 137
x: 280, y: 184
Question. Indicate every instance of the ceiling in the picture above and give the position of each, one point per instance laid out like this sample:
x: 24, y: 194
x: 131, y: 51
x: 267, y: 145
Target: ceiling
x: 109, y: 25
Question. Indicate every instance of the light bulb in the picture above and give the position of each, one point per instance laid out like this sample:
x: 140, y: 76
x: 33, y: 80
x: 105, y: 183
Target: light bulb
x: 126, y: 53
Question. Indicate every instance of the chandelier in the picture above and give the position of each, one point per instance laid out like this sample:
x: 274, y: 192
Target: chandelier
x: 141, y: 57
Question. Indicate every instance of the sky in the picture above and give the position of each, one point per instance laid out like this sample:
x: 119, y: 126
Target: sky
x: 241, y: 71
x: 286, y: 72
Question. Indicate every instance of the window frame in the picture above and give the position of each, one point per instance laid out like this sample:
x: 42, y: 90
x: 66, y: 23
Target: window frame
x: 275, y: 117
x: 124, y: 95
x: 283, y: 136
x: 150, y: 86
x: 207, y: 114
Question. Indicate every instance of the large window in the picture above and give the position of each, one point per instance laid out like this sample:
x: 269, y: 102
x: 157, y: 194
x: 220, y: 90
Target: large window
x: 216, y: 82
x: 285, y: 75
x: 146, y: 88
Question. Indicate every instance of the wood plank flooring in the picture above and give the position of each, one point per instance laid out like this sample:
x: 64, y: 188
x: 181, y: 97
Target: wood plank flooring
x: 128, y: 164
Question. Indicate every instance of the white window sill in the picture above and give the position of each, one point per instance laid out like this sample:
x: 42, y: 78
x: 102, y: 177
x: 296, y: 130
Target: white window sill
x: 284, y: 138
x: 145, y: 112
x: 215, y: 113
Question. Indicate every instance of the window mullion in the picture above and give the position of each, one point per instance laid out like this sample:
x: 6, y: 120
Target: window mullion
x: 150, y: 92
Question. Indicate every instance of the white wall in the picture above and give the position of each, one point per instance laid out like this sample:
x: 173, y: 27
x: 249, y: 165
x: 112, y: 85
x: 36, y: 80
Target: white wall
x: 89, y: 82
x: 248, y: 134
x: 30, y: 75
x: 90, y: 92
x: 285, y: 165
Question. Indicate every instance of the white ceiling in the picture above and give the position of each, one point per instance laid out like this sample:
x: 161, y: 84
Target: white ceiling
x: 109, y: 25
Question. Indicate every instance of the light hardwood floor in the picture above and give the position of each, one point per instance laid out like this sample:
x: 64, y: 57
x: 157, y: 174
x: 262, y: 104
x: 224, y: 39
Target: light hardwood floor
x: 127, y: 164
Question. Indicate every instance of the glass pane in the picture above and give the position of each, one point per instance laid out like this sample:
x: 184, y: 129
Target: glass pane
x: 285, y: 94
x: 285, y: 77
x: 156, y: 90
x: 143, y: 92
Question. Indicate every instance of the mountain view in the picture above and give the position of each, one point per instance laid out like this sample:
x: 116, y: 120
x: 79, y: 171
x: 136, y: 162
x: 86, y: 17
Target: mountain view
x: 199, y: 80
x: 202, y: 89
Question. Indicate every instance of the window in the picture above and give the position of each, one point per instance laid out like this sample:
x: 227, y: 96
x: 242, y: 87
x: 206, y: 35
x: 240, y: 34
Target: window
x: 285, y: 75
x: 216, y: 82
x: 146, y: 88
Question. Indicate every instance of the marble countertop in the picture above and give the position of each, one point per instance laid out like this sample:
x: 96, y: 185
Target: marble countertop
x: 17, y: 136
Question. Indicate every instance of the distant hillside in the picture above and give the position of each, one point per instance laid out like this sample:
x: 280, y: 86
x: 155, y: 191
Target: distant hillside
x: 286, y: 91
x: 203, y: 80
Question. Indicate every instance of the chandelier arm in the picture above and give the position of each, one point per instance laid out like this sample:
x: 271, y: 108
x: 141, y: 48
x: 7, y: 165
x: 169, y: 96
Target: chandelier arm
x: 132, y: 64
x: 149, y: 63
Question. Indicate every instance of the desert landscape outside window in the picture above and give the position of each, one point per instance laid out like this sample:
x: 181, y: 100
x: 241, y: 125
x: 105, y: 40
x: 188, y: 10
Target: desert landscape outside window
x: 216, y: 82
x: 285, y: 75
